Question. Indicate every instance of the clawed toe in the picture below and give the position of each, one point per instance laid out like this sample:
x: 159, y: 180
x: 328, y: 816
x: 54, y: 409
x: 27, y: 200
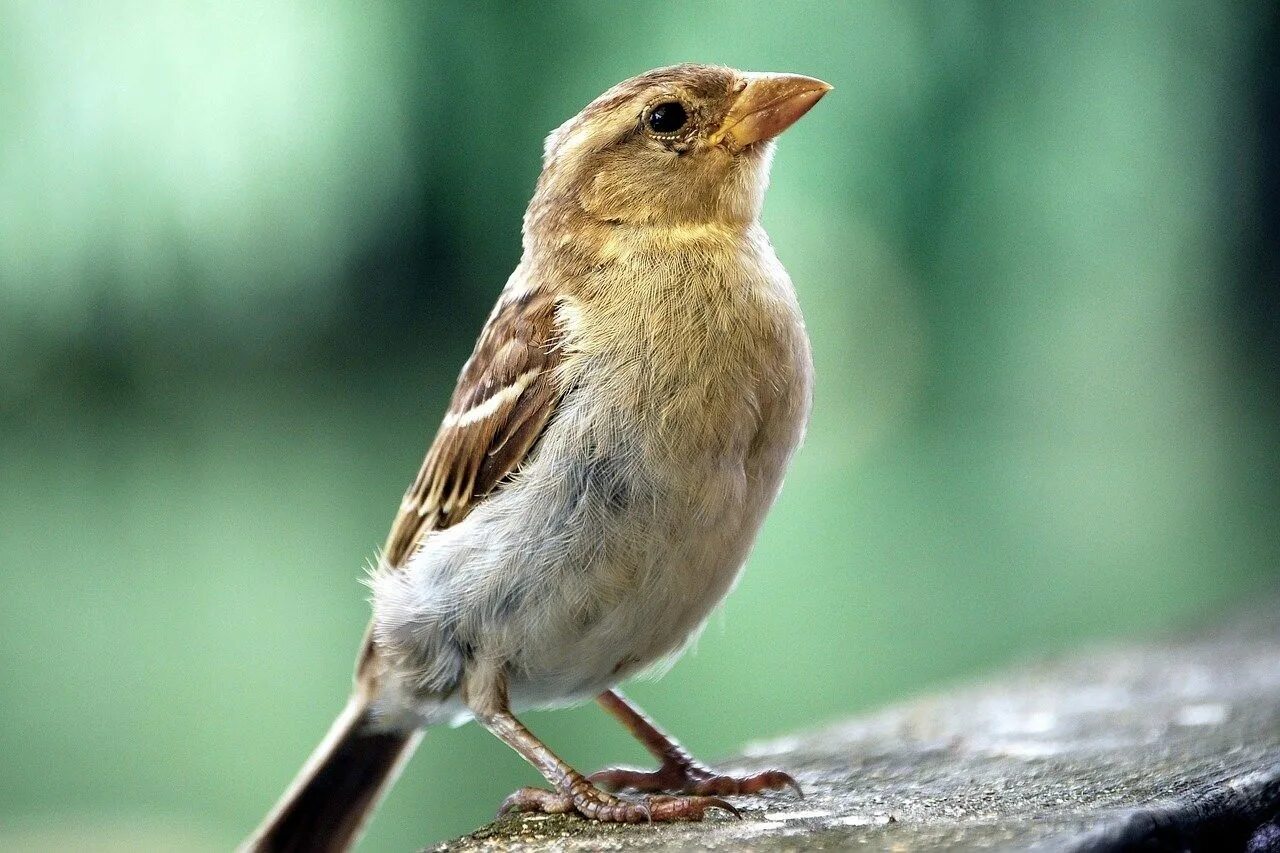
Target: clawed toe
x: 592, y: 803
x: 535, y: 800
x: 663, y: 808
x: 696, y: 780
x: 643, y: 781
x: 766, y: 780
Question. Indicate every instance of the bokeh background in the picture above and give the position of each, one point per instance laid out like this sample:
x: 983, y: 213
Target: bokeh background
x: 244, y: 247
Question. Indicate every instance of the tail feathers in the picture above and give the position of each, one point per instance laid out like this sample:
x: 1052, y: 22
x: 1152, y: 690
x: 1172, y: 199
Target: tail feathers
x: 326, y: 807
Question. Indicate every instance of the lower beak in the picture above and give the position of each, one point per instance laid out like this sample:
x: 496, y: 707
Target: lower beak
x: 768, y: 105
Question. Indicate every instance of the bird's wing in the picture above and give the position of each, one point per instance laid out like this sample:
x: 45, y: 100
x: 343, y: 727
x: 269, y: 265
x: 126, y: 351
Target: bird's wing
x: 506, y: 393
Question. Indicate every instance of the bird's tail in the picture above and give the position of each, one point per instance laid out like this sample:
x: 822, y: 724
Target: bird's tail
x: 326, y: 807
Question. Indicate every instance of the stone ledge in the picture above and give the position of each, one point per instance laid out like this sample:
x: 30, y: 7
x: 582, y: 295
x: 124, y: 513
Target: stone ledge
x: 1161, y: 746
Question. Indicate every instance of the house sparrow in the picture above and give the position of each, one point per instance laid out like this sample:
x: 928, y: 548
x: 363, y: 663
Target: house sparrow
x: 610, y: 451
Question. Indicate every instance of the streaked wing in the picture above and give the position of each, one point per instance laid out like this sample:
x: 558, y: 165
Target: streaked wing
x: 505, y: 395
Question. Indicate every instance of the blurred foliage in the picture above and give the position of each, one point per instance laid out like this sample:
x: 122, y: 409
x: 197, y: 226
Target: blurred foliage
x: 244, y: 247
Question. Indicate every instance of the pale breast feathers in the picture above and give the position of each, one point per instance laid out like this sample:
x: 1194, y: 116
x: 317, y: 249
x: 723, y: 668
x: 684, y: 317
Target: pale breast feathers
x: 505, y: 395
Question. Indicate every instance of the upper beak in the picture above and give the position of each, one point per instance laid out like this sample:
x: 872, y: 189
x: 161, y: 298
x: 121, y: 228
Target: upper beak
x: 768, y: 105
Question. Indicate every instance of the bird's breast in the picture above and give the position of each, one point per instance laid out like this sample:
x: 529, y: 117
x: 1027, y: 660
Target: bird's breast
x: 690, y: 371
x: 694, y: 333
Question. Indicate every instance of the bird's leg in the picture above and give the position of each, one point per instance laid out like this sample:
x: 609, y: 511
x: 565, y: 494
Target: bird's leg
x: 678, y: 771
x: 573, y: 793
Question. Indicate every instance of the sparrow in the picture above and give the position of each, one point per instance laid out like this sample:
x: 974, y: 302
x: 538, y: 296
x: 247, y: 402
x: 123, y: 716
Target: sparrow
x: 609, y: 453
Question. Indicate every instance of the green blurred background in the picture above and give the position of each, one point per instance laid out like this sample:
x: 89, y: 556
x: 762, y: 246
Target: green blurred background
x: 244, y: 247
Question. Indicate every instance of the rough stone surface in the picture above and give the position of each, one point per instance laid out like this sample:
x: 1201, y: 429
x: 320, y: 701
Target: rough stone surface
x: 1168, y: 746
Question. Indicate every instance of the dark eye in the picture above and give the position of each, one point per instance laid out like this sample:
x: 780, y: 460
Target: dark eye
x: 667, y: 117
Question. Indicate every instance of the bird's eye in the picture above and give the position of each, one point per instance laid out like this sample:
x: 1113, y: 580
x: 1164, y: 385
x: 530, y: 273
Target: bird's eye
x: 666, y: 117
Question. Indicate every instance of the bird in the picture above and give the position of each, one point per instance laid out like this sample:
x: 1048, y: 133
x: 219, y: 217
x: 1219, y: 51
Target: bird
x: 609, y: 453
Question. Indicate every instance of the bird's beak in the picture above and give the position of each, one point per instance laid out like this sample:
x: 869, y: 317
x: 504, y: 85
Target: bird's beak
x: 767, y: 105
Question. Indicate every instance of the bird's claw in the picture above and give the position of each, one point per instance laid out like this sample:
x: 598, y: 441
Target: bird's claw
x: 592, y: 803
x: 694, y: 779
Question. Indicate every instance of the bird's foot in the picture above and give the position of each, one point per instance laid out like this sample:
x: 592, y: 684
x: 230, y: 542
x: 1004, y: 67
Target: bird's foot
x: 693, y: 778
x: 587, y: 800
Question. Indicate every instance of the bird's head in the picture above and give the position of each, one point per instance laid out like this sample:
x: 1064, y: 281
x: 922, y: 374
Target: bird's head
x: 687, y: 144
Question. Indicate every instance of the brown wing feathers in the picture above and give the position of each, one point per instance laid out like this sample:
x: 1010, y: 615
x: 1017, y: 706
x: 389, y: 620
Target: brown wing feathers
x: 504, y: 397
